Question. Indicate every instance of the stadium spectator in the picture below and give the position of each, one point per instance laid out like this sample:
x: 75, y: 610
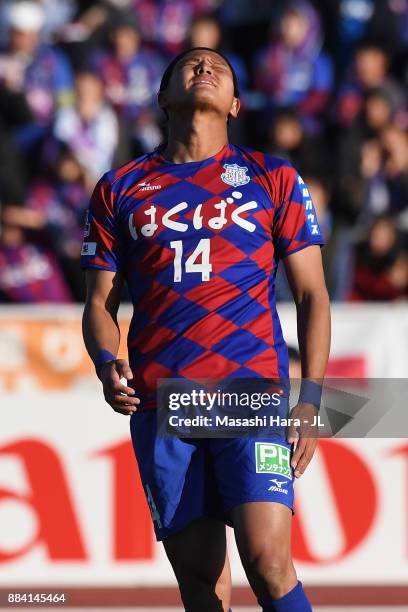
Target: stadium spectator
x: 395, y: 144
x: 288, y: 139
x: 362, y: 189
x: 29, y: 271
x: 360, y: 156
x: 350, y: 22
x: 38, y: 70
x: 57, y: 13
x: 60, y: 199
x: 240, y: 13
x: 131, y: 75
x: 373, y: 165
x: 113, y: 50
x: 369, y: 71
x: 353, y: 21
x: 293, y: 70
x: 165, y: 23
x: 337, y: 253
x: 205, y: 31
x: 13, y: 172
x: 90, y: 128
x: 381, y: 264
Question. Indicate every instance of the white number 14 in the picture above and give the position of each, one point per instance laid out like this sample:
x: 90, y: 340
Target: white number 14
x: 203, y: 249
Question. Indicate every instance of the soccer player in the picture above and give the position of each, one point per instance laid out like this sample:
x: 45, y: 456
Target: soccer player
x: 196, y: 229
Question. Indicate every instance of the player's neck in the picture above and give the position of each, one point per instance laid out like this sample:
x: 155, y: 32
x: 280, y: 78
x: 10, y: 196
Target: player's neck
x: 201, y: 137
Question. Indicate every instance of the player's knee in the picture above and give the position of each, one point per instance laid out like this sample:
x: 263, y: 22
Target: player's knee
x: 270, y: 569
x: 201, y: 594
x: 223, y: 589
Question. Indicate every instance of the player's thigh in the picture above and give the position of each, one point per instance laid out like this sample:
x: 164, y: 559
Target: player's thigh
x: 198, y: 552
x: 263, y: 531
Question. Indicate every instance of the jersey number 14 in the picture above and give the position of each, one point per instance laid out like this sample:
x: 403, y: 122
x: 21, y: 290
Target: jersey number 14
x: 191, y: 265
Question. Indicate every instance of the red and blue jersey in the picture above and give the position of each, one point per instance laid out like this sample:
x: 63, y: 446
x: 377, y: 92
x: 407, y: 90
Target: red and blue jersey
x: 198, y: 244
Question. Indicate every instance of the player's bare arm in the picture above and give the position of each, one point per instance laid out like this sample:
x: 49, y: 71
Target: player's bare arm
x: 101, y: 333
x: 306, y: 278
x: 177, y: 332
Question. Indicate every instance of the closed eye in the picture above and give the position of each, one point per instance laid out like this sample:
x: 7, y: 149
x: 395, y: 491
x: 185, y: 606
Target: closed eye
x: 193, y: 61
x: 221, y: 66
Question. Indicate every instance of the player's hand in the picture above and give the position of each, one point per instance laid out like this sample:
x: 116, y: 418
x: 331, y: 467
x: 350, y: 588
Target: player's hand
x: 305, y: 436
x: 118, y: 395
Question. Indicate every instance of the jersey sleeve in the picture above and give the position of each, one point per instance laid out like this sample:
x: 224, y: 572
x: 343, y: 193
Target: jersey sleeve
x: 295, y: 225
x: 101, y: 247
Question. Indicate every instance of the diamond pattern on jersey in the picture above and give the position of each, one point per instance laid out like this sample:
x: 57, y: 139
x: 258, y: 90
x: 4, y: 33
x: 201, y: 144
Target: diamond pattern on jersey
x: 261, y: 327
x: 263, y: 257
x: 260, y: 292
x: 156, y: 299
x: 209, y: 365
x: 210, y: 176
x: 153, y: 338
x: 242, y: 310
x: 264, y: 363
x: 231, y: 346
x: 152, y: 257
x: 246, y: 244
x: 181, y: 315
x: 179, y: 353
x: 224, y: 326
x: 228, y: 254
x: 244, y: 372
x: 214, y: 297
x: 144, y: 372
x: 247, y: 274
x: 211, y: 330
x: 264, y: 219
x: 194, y: 318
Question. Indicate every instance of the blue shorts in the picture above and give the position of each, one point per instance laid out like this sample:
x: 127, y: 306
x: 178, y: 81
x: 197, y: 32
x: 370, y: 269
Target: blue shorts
x: 187, y: 478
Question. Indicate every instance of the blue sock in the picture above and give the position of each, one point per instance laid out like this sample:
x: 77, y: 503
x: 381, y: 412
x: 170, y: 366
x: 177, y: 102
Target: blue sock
x: 294, y: 601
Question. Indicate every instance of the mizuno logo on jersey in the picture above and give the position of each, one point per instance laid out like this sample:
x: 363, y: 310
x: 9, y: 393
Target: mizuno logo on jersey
x: 148, y: 187
x: 278, y: 487
x: 278, y: 483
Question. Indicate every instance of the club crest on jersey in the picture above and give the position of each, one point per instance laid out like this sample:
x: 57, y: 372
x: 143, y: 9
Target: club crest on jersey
x: 235, y: 175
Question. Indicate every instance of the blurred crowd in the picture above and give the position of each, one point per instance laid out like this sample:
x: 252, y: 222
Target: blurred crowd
x: 323, y: 84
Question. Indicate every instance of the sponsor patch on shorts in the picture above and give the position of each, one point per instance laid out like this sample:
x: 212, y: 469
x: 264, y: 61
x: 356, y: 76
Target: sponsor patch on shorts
x: 272, y: 458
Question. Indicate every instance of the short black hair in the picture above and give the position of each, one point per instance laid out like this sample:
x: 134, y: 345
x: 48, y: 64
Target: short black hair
x: 169, y: 70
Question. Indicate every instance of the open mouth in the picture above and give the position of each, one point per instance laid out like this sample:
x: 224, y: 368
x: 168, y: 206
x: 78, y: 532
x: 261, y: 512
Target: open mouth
x: 202, y: 81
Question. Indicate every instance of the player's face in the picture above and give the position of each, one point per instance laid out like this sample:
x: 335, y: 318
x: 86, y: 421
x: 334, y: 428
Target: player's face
x: 201, y: 81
